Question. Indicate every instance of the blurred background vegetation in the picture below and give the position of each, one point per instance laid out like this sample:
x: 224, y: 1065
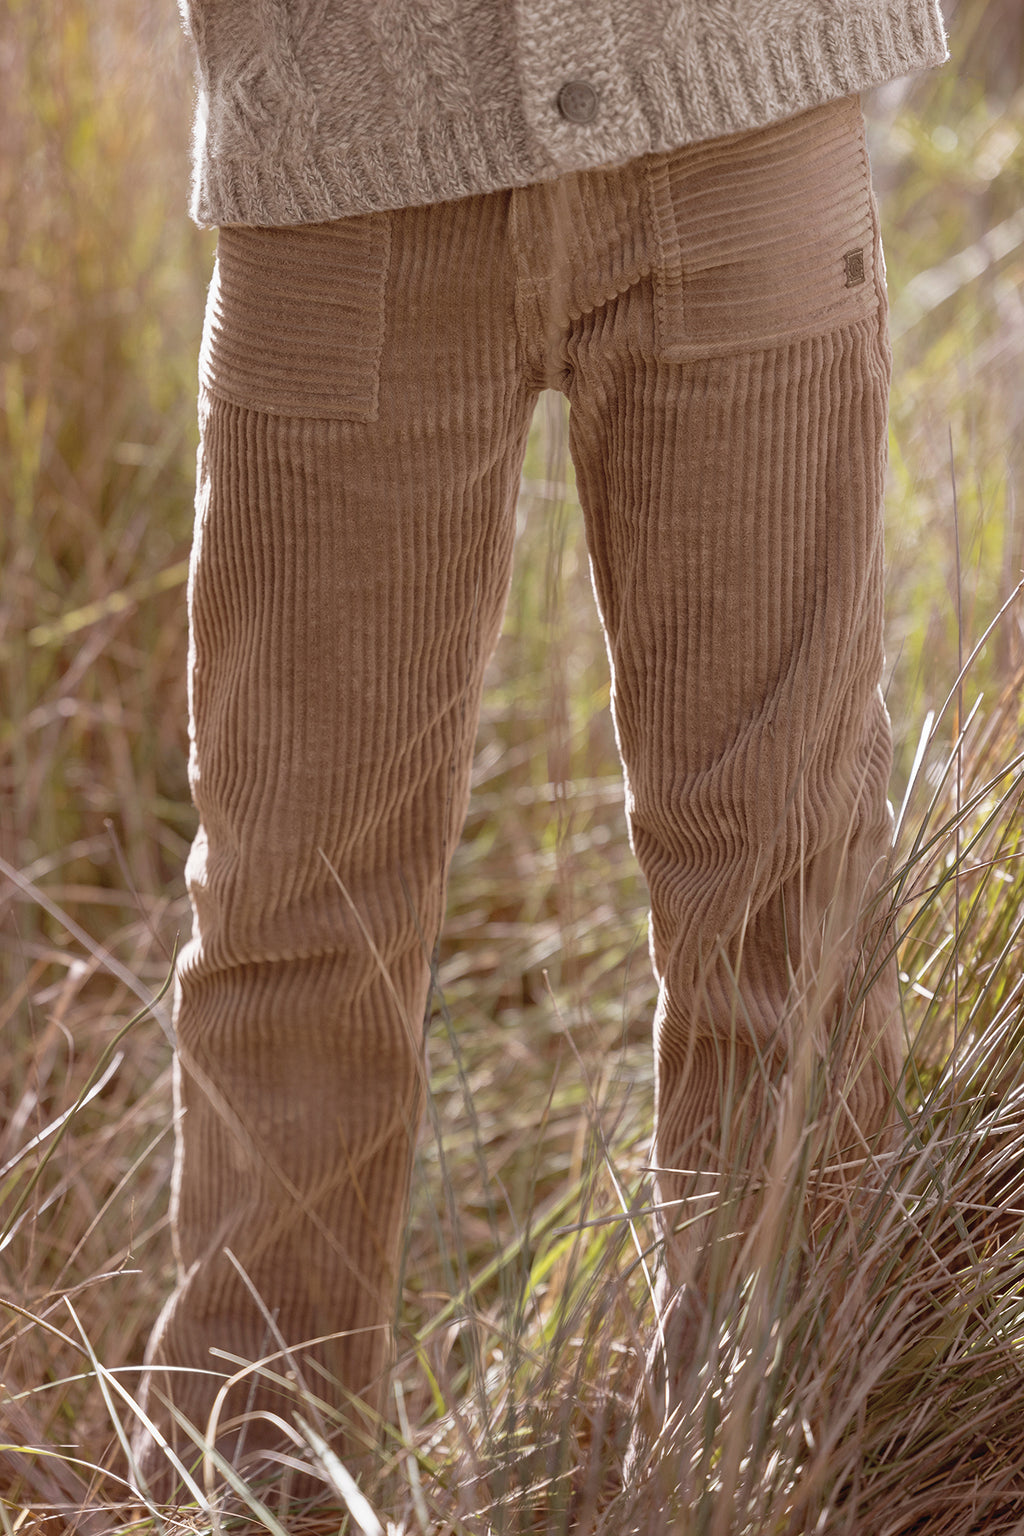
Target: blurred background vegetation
x: 546, y: 985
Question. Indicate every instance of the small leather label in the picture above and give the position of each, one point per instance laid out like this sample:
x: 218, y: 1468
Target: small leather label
x: 854, y: 263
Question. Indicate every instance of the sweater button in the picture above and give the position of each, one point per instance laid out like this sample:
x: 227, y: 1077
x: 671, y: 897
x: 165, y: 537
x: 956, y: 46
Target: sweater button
x: 577, y: 102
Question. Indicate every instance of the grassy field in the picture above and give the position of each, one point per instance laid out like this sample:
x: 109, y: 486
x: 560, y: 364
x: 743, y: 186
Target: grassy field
x: 527, y: 1301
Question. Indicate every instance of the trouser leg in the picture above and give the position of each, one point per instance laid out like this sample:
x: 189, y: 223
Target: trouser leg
x: 350, y: 567
x: 730, y: 457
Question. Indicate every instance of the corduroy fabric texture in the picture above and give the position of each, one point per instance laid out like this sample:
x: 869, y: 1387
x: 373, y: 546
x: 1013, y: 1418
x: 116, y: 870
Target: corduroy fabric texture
x: 716, y: 317
x: 314, y: 109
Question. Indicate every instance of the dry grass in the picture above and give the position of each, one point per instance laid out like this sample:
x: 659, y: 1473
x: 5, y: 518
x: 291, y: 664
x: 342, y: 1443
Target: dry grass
x: 877, y: 1389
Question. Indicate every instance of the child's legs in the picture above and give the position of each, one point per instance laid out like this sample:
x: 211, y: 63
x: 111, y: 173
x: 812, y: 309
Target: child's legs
x: 348, y: 581
x: 729, y: 429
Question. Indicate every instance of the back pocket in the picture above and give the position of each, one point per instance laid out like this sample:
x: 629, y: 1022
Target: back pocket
x: 295, y: 317
x: 765, y: 237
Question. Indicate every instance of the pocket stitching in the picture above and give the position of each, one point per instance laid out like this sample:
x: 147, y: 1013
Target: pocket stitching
x: 232, y: 369
x: 669, y: 284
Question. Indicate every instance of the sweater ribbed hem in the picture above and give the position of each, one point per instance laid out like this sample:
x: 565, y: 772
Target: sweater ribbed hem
x: 711, y: 86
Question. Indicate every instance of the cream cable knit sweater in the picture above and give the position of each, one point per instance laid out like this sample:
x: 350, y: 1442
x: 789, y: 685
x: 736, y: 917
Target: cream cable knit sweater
x: 314, y: 109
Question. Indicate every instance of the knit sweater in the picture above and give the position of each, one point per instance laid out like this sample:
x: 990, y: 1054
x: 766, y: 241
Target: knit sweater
x: 315, y: 109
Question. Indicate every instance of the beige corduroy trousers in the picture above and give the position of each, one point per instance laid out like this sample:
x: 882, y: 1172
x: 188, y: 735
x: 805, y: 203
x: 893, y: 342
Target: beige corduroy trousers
x: 716, y: 317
